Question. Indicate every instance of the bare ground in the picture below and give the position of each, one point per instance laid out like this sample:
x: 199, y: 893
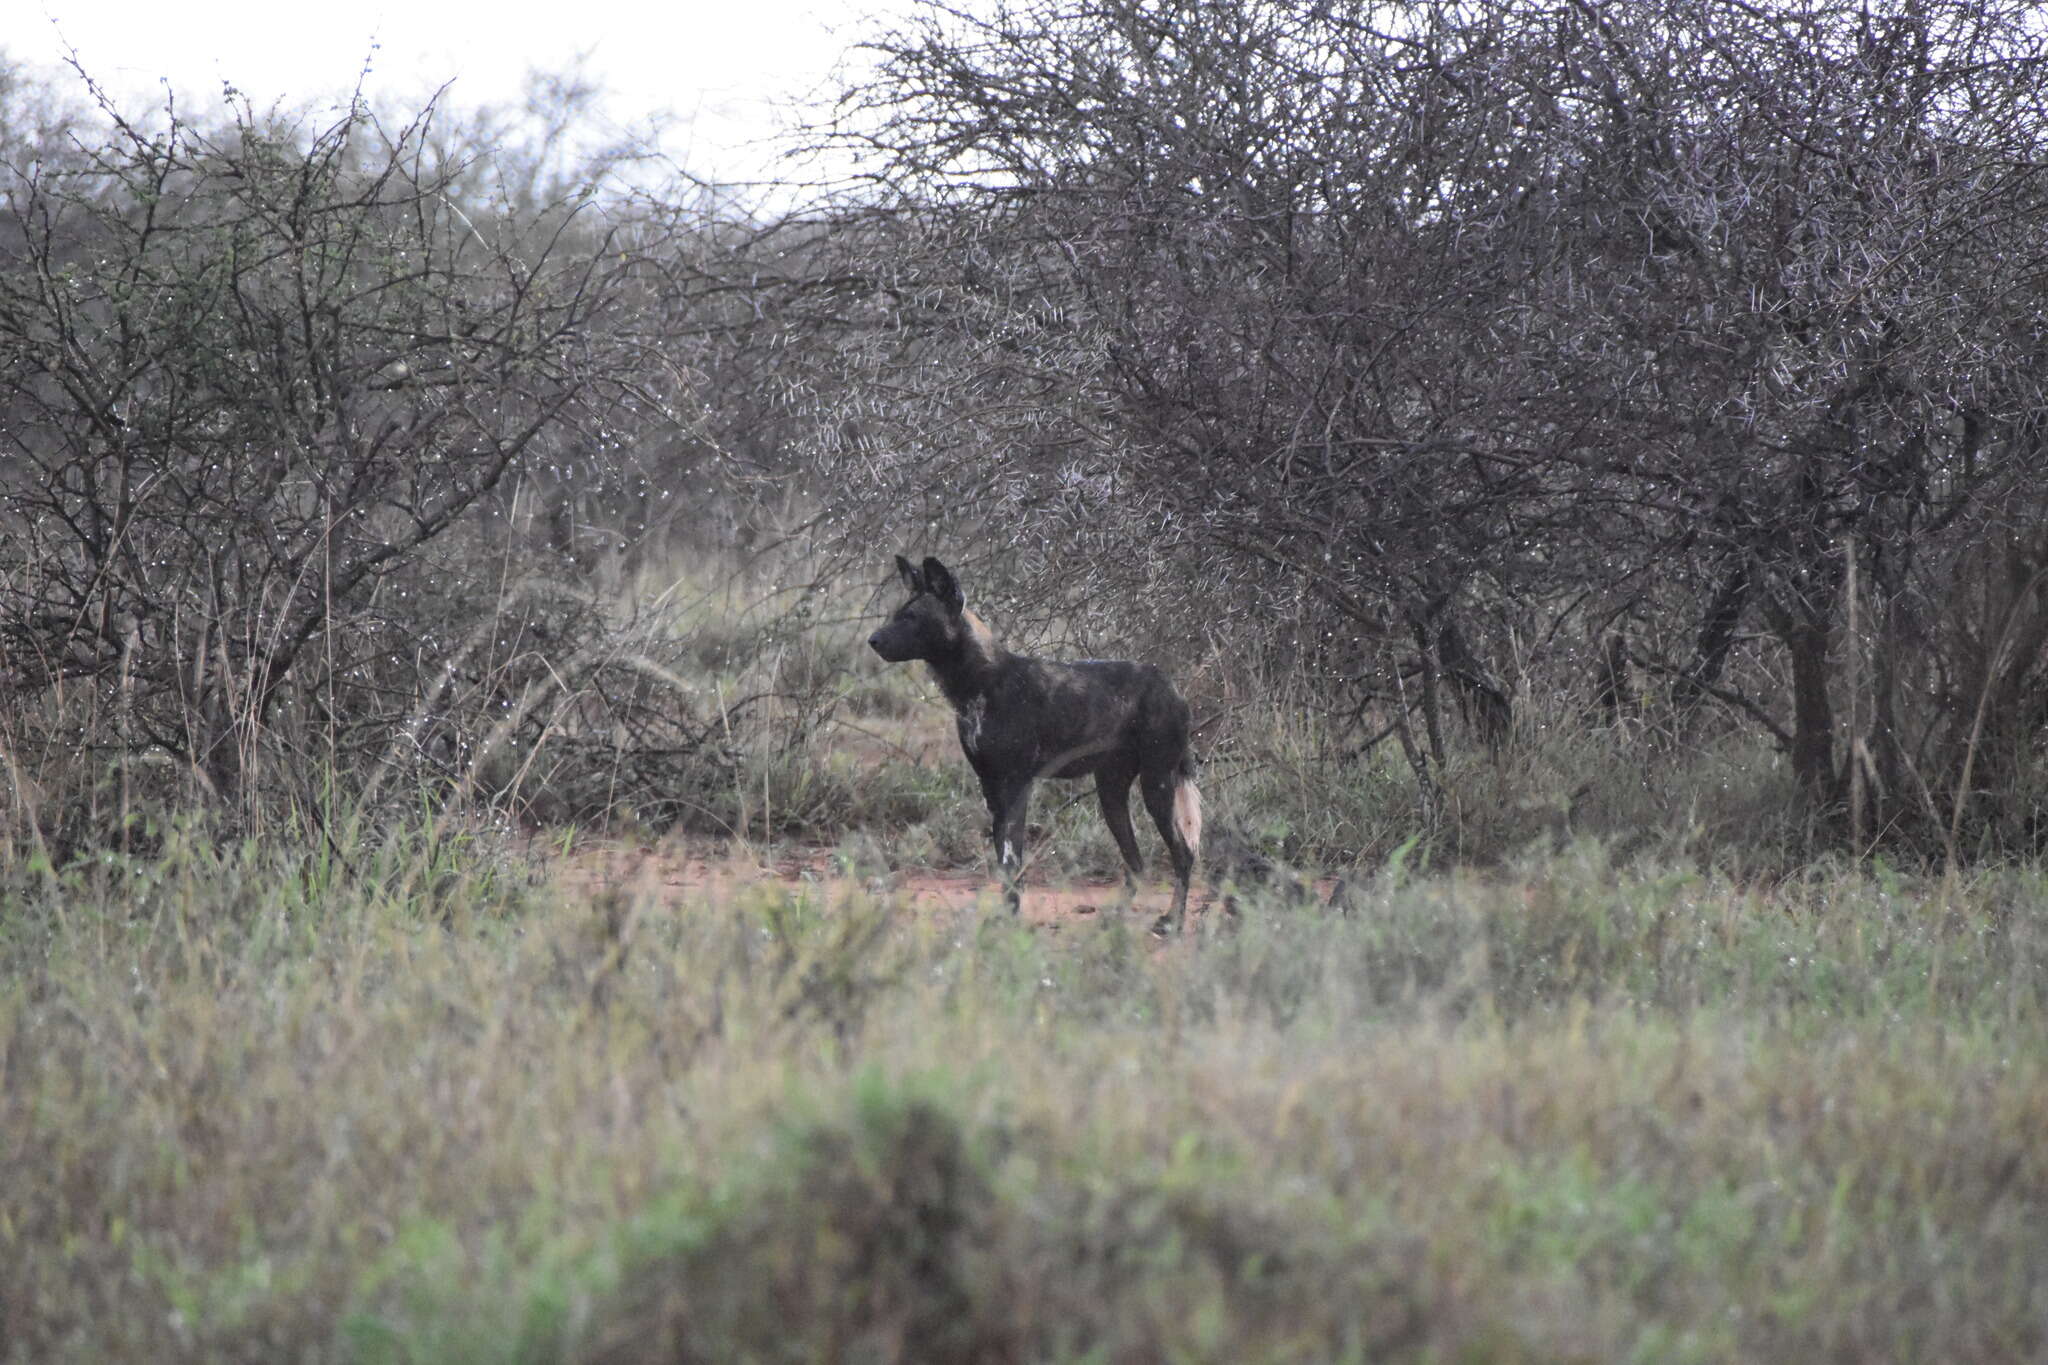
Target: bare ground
x: 675, y: 874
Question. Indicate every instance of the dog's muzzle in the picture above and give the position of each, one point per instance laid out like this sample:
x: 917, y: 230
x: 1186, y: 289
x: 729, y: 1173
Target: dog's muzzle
x: 894, y: 646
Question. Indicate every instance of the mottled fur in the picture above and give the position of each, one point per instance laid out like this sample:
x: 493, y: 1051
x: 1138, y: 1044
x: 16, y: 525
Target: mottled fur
x: 1021, y: 719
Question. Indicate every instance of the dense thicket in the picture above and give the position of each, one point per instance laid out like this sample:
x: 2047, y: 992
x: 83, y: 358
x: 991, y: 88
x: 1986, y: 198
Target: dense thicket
x: 302, y: 426
x: 1683, y: 359
x: 1702, y: 337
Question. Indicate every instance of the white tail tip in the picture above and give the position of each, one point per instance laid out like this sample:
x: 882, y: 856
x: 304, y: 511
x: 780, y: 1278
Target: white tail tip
x: 1187, y: 814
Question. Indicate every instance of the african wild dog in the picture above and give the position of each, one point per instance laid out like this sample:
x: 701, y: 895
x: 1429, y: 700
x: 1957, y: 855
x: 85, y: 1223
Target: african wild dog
x: 1021, y: 719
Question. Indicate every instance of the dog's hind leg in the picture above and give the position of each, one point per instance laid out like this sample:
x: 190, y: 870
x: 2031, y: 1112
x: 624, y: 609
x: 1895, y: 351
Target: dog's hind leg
x: 1113, y: 790
x: 1176, y: 808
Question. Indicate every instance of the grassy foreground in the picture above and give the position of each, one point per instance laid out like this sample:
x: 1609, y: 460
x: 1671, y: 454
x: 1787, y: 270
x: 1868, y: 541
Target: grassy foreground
x: 256, y: 1108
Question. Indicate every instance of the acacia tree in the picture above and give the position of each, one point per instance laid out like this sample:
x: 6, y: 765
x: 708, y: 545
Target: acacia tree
x: 251, y: 381
x: 1458, y: 312
x: 1793, y: 318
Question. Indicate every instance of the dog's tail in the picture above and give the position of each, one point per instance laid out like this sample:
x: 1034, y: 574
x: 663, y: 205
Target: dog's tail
x: 1187, y: 806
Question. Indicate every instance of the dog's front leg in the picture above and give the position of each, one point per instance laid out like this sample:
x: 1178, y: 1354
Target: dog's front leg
x: 1009, y: 805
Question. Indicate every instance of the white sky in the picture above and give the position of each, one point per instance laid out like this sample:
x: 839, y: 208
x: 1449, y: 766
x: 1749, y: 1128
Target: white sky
x: 719, y: 68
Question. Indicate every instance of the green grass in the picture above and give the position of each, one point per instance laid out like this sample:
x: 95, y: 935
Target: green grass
x: 258, y: 1106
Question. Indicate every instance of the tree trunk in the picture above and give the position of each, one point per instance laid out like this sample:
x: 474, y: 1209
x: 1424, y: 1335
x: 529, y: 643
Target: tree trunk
x: 1716, y: 637
x: 1807, y: 635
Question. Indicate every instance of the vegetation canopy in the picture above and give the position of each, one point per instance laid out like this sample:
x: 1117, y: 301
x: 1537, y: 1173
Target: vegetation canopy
x: 1692, y: 348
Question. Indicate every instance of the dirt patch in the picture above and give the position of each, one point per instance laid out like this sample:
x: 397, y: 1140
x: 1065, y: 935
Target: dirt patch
x: 675, y: 876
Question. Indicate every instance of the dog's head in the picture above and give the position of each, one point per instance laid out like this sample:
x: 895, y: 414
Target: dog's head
x: 931, y: 624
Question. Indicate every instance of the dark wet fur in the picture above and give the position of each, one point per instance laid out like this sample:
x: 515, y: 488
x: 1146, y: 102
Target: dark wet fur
x: 1022, y: 718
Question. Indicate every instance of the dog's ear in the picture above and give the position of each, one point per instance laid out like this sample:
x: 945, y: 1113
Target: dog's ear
x: 940, y: 583
x: 911, y: 578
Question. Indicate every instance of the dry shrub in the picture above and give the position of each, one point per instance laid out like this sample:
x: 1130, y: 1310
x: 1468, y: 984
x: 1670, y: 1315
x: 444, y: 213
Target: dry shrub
x: 890, y: 1235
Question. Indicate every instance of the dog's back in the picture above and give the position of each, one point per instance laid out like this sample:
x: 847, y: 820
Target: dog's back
x: 1058, y: 719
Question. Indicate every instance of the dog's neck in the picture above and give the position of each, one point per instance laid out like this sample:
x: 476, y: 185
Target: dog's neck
x: 965, y: 675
